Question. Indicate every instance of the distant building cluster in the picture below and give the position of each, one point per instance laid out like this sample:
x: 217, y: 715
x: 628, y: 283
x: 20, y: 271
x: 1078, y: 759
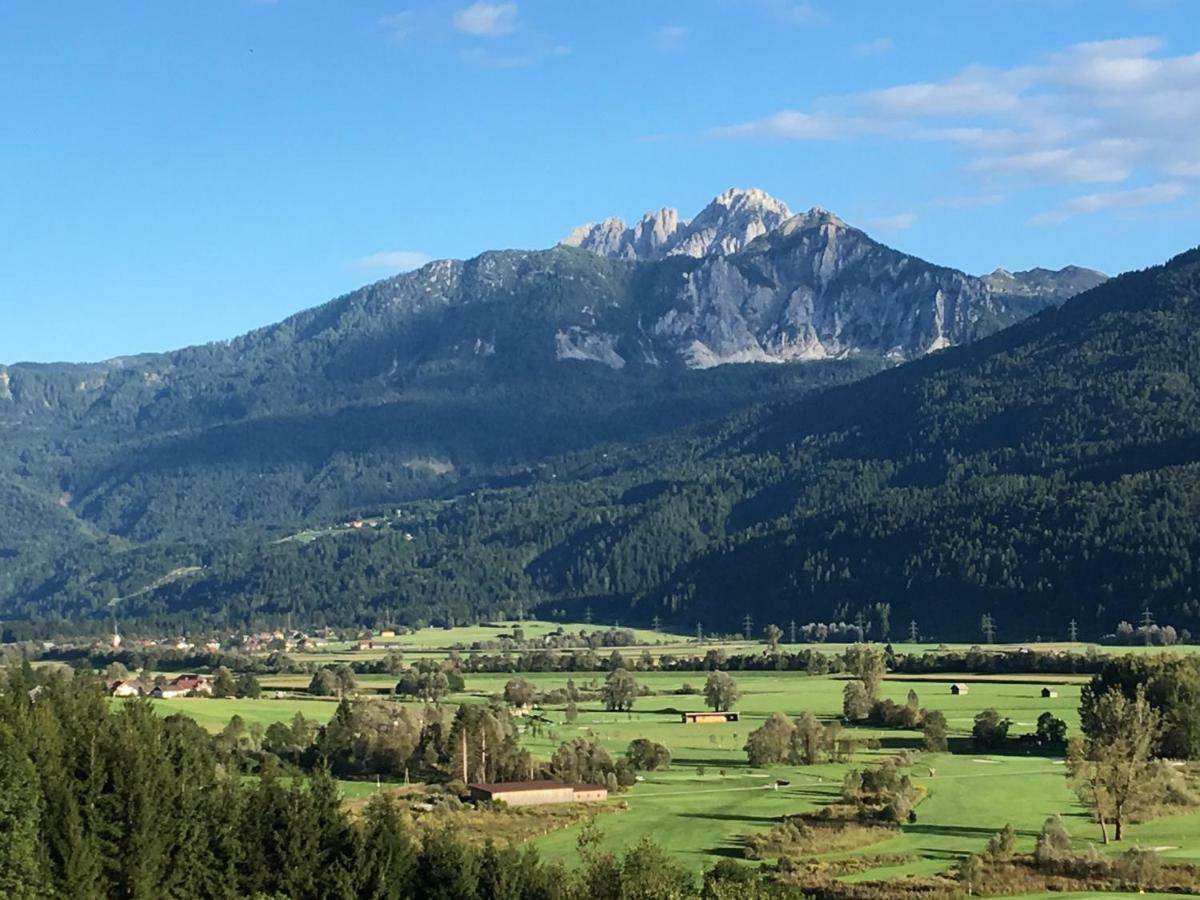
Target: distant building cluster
x: 182, y: 686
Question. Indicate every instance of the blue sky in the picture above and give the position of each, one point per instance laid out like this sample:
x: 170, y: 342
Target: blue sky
x: 178, y: 172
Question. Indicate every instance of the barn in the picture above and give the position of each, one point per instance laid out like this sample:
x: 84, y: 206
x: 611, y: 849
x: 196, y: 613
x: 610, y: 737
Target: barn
x: 958, y: 689
x: 537, y: 793
x: 707, y: 718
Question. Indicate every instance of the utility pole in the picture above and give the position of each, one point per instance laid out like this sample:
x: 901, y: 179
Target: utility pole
x: 466, y: 774
x: 1073, y: 631
x: 792, y: 631
x: 748, y: 626
x: 483, y: 753
x: 913, y: 634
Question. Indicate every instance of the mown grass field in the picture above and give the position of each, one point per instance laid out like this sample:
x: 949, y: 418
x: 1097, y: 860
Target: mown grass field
x: 701, y: 815
x: 438, y: 642
x: 710, y: 798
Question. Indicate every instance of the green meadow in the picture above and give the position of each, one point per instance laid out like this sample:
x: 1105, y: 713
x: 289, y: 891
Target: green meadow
x: 703, y: 805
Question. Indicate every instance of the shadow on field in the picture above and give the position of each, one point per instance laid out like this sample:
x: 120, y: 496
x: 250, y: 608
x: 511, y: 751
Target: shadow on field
x: 730, y: 852
x: 965, y: 746
x: 729, y: 817
x: 814, y: 794
x: 710, y: 762
x: 955, y: 830
x: 900, y: 743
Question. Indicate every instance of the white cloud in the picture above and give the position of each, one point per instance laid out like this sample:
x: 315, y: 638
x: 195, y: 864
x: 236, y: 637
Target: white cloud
x: 1134, y: 198
x: 877, y: 47
x: 487, y: 19
x: 395, y: 260
x: 1108, y: 162
x: 1104, y: 113
x: 671, y: 37
x: 898, y: 222
x: 795, y: 125
x: 972, y: 93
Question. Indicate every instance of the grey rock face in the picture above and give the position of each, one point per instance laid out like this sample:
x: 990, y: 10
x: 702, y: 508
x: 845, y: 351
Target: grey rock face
x: 742, y: 282
x: 726, y: 225
x: 772, y: 287
x: 1035, y: 282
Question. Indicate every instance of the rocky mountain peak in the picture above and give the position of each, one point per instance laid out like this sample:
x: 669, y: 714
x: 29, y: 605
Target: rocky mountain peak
x: 1064, y: 282
x: 814, y: 218
x: 747, y: 200
x: 724, y: 226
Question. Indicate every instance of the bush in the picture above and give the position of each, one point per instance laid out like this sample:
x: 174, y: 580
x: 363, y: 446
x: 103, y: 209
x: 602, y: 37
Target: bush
x: 646, y: 755
x: 1137, y: 866
x: 1003, y: 844
x: 1053, y: 844
x: 990, y: 730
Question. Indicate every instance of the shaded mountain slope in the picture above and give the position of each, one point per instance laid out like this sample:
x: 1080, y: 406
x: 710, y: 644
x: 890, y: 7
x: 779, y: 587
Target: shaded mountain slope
x: 1046, y: 473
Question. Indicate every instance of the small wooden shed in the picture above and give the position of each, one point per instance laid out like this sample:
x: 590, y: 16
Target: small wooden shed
x: 959, y: 689
x: 708, y: 718
x: 1049, y: 693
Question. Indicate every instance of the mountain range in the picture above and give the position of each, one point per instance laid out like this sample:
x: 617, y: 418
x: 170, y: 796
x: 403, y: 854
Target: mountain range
x: 555, y: 383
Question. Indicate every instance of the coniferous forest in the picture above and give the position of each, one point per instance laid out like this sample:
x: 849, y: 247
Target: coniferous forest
x: 1047, y: 473
x: 100, y: 802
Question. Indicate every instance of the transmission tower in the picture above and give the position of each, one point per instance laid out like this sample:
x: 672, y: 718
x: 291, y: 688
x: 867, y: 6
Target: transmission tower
x: 748, y: 626
x: 792, y: 632
x: 913, y: 634
x: 1147, y: 624
x: 655, y: 623
x: 860, y: 624
x: 1073, y: 631
x: 700, y: 632
x: 587, y: 615
x: 988, y: 626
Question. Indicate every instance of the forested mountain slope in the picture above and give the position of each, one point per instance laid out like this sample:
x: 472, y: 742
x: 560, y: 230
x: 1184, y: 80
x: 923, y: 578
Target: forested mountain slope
x: 1049, y: 472
x: 434, y: 382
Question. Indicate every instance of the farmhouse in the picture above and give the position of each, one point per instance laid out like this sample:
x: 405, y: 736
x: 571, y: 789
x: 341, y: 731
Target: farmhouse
x: 182, y: 686
x: 958, y: 688
x: 1049, y: 693
x: 707, y: 718
x: 538, y: 793
x: 129, y: 687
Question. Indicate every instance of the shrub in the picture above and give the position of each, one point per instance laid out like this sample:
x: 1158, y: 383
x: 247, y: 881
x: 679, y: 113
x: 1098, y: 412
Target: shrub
x: 646, y: 755
x: 990, y: 730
